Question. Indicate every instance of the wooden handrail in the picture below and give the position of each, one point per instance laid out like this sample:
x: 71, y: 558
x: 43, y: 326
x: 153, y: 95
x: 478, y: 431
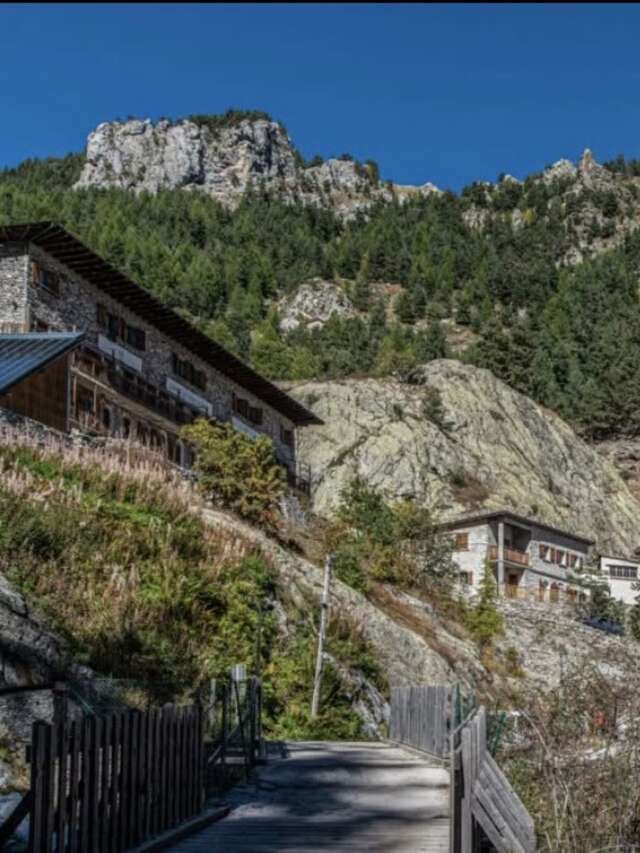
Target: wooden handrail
x: 510, y: 554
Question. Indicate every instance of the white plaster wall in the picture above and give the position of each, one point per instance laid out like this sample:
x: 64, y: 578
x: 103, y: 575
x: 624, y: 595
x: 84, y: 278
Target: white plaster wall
x: 472, y: 560
x: 621, y: 589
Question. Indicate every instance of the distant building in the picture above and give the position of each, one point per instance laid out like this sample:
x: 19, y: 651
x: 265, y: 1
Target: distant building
x: 621, y: 574
x: 141, y: 371
x: 527, y: 556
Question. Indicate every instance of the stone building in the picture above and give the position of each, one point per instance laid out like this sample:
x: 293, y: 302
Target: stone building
x: 526, y: 555
x: 142, y: 371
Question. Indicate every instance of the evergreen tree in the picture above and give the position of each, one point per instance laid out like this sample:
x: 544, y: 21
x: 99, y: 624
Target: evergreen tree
x: 362, y: 290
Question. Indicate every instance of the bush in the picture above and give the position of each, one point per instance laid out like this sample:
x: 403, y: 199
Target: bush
x: 394, y: 543
x: 236, y: 472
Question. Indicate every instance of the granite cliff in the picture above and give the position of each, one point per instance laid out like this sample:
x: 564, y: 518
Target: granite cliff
x: 457, y: 438
x: 226, y: 159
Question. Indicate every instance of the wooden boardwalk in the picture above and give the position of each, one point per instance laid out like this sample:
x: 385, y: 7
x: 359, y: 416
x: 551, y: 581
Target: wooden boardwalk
x: 336, y: 796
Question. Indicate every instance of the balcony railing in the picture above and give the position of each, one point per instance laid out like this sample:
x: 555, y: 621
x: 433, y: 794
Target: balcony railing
x: 139, y: 390
x: 510, y: 555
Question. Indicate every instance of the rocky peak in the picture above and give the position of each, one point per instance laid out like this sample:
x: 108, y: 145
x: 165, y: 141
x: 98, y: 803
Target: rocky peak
x: 226, y: 156
x: 560, y: 169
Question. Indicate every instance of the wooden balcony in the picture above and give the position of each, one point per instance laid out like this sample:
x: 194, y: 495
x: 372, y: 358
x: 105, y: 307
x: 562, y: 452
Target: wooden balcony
x: 520, y: 558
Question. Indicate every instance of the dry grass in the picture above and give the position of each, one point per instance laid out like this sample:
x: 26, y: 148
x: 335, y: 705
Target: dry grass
x: 419, y: 623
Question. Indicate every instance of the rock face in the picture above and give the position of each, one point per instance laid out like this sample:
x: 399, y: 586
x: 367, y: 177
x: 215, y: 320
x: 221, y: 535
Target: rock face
x: 482, y: 446
x: 312, y: 304
x: 225, y: 161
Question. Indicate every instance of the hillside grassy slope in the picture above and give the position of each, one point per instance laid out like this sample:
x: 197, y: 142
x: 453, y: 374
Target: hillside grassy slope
x: 111, y: 549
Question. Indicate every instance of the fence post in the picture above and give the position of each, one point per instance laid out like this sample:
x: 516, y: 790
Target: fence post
x: 60, y: 703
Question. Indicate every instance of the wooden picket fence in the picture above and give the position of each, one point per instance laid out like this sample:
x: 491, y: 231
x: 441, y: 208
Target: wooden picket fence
x: 482, y: 799
x: 420, y: 717
x: 110, y: 783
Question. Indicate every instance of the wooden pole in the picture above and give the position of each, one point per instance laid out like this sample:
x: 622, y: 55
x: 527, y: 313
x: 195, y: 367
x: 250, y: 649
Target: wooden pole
x: 324, y: 607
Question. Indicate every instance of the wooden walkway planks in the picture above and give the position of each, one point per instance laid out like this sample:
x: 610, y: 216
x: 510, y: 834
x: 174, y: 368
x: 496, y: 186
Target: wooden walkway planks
x: 336, y: 796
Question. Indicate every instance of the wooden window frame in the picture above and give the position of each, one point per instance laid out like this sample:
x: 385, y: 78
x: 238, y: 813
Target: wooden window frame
x: 461, y: 541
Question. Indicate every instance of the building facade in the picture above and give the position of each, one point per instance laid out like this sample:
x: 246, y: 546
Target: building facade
x: 142, y: 371
x: 525, y: 555
x: 622, y: 575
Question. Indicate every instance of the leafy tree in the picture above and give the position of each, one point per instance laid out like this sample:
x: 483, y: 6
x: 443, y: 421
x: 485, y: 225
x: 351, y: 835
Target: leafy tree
x: 235, y: 471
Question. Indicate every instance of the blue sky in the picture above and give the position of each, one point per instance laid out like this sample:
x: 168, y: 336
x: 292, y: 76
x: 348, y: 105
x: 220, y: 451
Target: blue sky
x: 447, y: 94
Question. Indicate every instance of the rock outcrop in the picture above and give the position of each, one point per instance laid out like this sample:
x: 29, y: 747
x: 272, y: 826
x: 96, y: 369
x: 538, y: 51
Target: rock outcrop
x: 460, y: 439
x: 312, y: 304
x: 225, y: 160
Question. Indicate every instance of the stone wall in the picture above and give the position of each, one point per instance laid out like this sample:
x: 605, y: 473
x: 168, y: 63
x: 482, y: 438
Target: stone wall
x: 75, y: 308
x: 13, y: 286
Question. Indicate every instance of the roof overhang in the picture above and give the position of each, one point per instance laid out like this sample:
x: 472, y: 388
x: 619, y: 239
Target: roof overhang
x: 77, y: 257
x: 521, y: 520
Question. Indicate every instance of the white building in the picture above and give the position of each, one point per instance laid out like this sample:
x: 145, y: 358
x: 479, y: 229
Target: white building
x: 528, y: 557
x: 621, y: 574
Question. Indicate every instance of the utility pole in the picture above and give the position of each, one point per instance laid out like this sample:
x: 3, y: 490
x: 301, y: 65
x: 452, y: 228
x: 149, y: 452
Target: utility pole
x: 324, y: 607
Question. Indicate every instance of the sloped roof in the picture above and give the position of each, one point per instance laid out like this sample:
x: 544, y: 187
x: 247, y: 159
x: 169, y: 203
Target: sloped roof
x: 68, y: 250
x: 514, y: 516
x: 24, y: 354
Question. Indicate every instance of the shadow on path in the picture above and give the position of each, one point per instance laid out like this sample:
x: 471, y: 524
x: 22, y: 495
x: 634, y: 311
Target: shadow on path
x: 336, y: 796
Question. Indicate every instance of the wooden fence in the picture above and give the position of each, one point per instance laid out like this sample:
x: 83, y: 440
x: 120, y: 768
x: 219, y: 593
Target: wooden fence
x: 421, y: 717
x: 482, y: 799
x: 109, y: 783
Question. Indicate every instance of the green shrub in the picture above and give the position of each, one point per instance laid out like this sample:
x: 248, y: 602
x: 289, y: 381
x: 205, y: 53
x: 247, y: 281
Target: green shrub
x: 236, y: 472
x: 398, y: 543
x: 433, y: 409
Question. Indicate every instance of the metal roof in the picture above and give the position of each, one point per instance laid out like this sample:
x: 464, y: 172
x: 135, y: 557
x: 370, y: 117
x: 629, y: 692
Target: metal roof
x: 514, y: 516
x: 67, y: 249
x: 24, y: 354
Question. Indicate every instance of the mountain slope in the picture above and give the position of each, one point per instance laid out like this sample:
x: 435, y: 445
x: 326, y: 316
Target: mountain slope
x: 220, y: 217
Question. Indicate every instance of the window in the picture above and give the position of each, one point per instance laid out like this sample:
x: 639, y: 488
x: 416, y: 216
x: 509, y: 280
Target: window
x: 543, y: 551
x: 47, y: 279
x: 461, y: 542
x: 185, y: 370
x: 250, y: 413
x: 106, y: 418
x: 136, y: 337
x: 84, y: 399
x: 118, y: 330
x: 466, y: 578
x: 286, y: 436
x: 627, y: 573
